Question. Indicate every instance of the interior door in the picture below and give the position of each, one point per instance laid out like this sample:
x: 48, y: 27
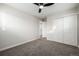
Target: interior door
x: 70, y: 30
x: 56, y: 30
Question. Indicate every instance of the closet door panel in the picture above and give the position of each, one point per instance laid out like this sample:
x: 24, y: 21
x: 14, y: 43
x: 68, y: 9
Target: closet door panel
x: 56, y: 30
x: 70, y: 30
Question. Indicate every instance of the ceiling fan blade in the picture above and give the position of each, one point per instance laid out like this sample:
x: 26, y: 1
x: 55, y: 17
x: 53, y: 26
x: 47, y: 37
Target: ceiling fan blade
x: 41, y: 3
x: 48, y: 4
x: 36, y: 4
x: 40, y: 10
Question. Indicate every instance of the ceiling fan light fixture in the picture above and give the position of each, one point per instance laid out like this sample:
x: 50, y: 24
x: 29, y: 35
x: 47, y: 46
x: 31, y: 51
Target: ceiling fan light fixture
x: 41, y: 6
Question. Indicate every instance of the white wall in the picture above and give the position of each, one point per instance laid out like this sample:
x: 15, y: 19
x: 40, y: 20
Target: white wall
x: 78, y: 30
x: 16, y: 27
x: 44, y: 29
x: 78, y: 26
x: 62, y: 29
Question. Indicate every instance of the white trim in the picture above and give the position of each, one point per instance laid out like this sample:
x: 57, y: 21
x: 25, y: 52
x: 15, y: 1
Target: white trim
x: 5, y: 48
x: 78, y: 46
x: 64, y: 43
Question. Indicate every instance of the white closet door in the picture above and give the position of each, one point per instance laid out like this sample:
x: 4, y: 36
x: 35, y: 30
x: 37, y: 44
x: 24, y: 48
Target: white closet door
x: 56, y: 30
x: 70, y: 30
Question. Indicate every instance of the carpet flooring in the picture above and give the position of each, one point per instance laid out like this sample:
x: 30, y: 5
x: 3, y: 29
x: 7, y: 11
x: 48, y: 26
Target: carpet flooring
x: 42, y: 47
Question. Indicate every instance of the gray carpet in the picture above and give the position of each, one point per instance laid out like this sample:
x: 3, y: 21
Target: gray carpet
x: 42, y: 47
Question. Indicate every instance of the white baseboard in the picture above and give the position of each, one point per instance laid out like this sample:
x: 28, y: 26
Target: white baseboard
x: 62, y: 43
x: 78, y: 46
x: 2, y: 49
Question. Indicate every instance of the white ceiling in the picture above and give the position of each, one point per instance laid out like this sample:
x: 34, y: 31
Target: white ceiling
x: 33, y: 9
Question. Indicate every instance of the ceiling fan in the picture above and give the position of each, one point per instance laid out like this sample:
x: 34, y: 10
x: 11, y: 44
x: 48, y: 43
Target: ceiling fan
x: 42, y: 5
